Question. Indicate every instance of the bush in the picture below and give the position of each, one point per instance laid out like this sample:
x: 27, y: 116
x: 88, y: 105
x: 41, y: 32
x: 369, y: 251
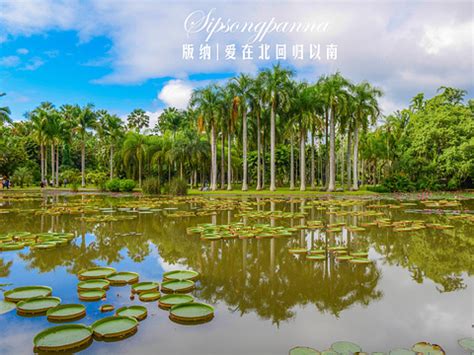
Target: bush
x: 177, y: 187
x: 151, y: 186
x: 378, y: 188
x: 97, y: 178
x: 127, y: 185
x: 398, y: 183
x: 22, y: 176
x: 72, y: 176
x: 113, y: 185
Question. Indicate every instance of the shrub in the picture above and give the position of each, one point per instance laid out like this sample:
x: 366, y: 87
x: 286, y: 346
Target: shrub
x: 97, y: 178
x: 177, y: 187
x: 22, y: 176
x: 151, y: 186
x: 127, y: 185
x: 378, y: 188
x: 73, y: 176
x: 398, y: 183
x: 113, y: 185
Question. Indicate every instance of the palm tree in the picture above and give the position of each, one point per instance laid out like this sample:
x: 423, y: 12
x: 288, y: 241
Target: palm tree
x: 334, y: 90
x: 256, y: 106
x: 86, y: 120
x: 135, y: 147
x: 111, y: 129
x: 276, y: 85
x: 39, y: 119
x: 366, y: 110
x: 206, y: 102
x: 4, y: 113
x: 138, y: 119
x: 53, y: 135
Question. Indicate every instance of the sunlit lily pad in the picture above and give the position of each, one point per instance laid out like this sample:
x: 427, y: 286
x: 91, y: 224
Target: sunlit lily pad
x: 360, y: 261
x: 123, y: 278
x: 168, y: 301
x: 181, y: 275
x: 149, y: 296
x: 345, y: 347
x: 179, y: 286
x: 64, y: 312
x: 37, y: 305
x: 191, y: 312
x: 93, y: 284
x: 62, y: 338
x: 427, y: 348
x: 137, y: 312
x: 107, y: 308
x: 316, y: 257
x: 297, y: 251
x: 114, y: 326
x: 96, y: 273
x: 6, y: 306
x: 302, y: 350
x: 25, y: 292
x: 146, y: 286
x: 91, y: 295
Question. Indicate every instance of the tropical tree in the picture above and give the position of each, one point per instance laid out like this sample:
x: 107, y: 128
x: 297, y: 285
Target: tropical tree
x: 135, y: 149
x: 86, y: 120
x: 4, y: 113
x: 111, y: 130
x: 138, y: 119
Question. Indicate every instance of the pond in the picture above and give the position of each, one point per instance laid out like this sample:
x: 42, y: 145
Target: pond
x: 267, y: 300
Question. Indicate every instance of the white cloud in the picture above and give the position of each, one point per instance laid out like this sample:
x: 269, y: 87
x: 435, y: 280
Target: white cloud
x: 22, y: 51
x: 176, y: 93
x: 33, y: 64
x: 153, y: 117
x: 9, y: 61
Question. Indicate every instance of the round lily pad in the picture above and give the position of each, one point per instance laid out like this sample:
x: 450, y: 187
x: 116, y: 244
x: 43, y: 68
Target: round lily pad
x: 11, y: 246
x: 344, y: 258
x: 123, y: 278
x: 91, y: 295
x: 179, y: 286
x: 297, y: 251
x: 107, y: 308
x: 6, y: 306
x: 191, y: 312
x: 345, y: 347
x: 96, y: 273
x: 137, y: 312
x: 317, y: 251
x: 146, y: 286
x: 360, y: 254
x: 93, y: 284
x: 316, y: 257
x: 62, y: 338
x: 168, y: 301
x: 149, y: 296
x: 37, y: 305
x: 114, y: 326
x: 467, y: 344
x: 423, y: 347
x: 25, y: 292
x: 360, y: 261
x: 64, y: 312
x: 302, y: 350
x: 181, y: 275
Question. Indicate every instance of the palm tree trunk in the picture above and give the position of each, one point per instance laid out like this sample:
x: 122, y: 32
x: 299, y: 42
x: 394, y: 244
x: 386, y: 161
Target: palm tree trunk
x: 244, y: 150
x: 57, y: 165
x: 348, y: 158
x: 332, y: 152
x: 222, y: 161
x: 302, y: 162
x: 181, y: 169
x: 263, y: 159
x: 259, y: 181
x: 342, y: 162
x: 292, y: 164
x: 272, y: 148
x: 326, y: 155
x: 140, y: 171
x: 355, y: 174
x: 111, y: 162
x: 313, y: 166
x: 42, y: 161
x: 45, y: 147
x: 213, y: 158
x: 229, y: 163
x: 83, y: 162
x: 53, y: 162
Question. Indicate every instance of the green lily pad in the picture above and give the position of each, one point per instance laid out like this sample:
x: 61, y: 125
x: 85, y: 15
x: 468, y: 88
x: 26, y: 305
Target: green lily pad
x: 114, y: 326
x: 467, y: 343
x: 25, y: 292
x: 361, y: 261
x: 64, y: 312
x: 427, y: 348
x: 360, y: 254
x: 344, y: 258
x: 297, y: 250
x: 345, y: 347
x: 191, y: 312
x: 168, y: 301
x: 96, y: 273
x: 302, y: 350
x: 181, y: 275
x: 149, y: 296
x: 316, y: 257
x: 137, y: 312
x: 123, y: 278
x: 146, y: 286
x: 6, y: 306
x: 179, y: 286
x: 37, y: 305
x: 11, y: 246
x: 91, y: 295
x: 93, y: 284
x: 63, y: 337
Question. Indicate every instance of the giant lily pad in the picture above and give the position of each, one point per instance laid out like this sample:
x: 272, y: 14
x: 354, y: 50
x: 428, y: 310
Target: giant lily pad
x: 6, y: 306
x: 171, y: 300
x: 114, y: 326
x: 137, y: 312
x: 93, y: 284
x: 149, y: 296
x: 345, y: 347
x: 360, y: 261
x: 427, y: 349
x: 62, y: 338
x: 65, y: 312
x: 37, y: 305
x: 181, y: 275
x: 25, y: 292
x: 191, y: 312
x: 467, y: 344
x: 91, y: 295
x: 316, y: 257
x: 179, y: 286
x: 123, y: 278
x: 146, y: 286
x: 96, y: 273
x: 302, y: 350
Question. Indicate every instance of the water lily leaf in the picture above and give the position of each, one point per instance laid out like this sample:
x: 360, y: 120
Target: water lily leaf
x: 345, y: 347
x: 6, y: 306
x: 467, y: 343
x: 302, y: 350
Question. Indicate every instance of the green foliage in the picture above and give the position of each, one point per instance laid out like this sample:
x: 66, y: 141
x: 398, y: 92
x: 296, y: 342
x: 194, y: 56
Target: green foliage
x: 177, y: 186
x: 73, y: 176
x: 97, y: 178
x: 397, y: 183
x: 113, y: 185
x: 151, y: 186
x: 378, y: 188
x: 127, y: 185
x: 22, y: 176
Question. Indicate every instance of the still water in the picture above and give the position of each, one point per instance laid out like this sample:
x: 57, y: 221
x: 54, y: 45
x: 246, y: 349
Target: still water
x: 417, y: 288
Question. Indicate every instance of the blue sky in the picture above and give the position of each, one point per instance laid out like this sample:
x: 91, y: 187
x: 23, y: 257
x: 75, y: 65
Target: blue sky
x: 122, y: 55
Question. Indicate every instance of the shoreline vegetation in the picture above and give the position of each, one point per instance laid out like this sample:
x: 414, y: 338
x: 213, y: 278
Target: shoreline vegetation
x: 268, y: 131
